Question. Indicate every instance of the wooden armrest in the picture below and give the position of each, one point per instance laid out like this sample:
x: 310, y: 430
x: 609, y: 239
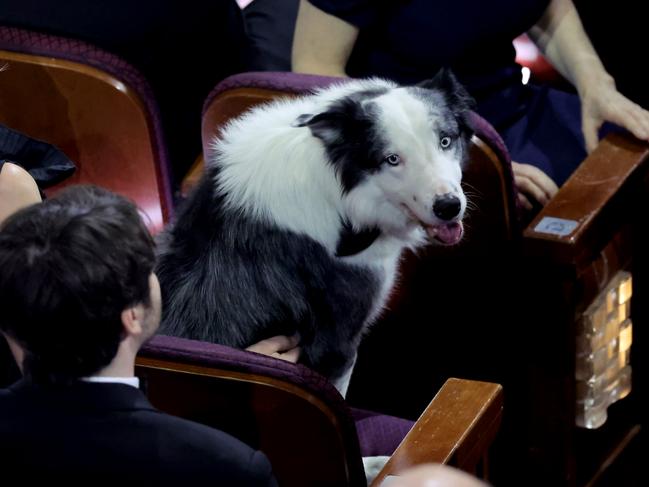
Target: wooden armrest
x: 456, y: 428
x: 584, y: 209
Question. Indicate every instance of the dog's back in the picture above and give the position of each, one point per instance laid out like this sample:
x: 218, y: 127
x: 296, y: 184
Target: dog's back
x: 229, y: 280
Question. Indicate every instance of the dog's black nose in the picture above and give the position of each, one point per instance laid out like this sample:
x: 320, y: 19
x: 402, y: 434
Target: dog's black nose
x: 447, y: 206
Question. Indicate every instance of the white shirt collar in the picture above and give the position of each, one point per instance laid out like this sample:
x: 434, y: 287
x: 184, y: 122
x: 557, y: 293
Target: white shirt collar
x: 130, y: 381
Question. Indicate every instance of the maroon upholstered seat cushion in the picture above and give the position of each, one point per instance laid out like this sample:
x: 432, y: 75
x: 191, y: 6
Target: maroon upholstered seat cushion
x: 378, y: 434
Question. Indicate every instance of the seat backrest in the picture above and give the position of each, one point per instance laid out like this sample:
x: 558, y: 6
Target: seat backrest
x: 493, y: 215
x: 300, y: 421
x: 288, y: 411
x: 92, y: 105
x: 488, y: 168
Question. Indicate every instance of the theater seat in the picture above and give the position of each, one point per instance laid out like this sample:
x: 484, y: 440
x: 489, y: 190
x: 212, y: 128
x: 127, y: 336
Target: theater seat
x: 93, y: 106
x: 300, y: 421
x: 513, y: 303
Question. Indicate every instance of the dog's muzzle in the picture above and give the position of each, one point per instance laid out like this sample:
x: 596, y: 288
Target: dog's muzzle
x: 447, y: 208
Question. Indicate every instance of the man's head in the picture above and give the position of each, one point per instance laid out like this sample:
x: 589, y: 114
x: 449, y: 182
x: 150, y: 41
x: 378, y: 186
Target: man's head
x: 76, y: 283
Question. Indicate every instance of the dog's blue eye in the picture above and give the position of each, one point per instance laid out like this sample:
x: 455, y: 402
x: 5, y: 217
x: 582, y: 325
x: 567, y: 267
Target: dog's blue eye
x: 445, y: 142
x: 392, y: 159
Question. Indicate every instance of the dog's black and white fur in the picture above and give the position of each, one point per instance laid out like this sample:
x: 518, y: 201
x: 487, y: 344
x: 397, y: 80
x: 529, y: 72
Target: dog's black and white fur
x: 304, y: 211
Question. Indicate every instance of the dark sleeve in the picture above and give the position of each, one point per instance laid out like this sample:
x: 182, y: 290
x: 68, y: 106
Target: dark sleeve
x: 210, y: 452
x: 261, y: 470
x: 44, y: 162
x: 360, y: 13
x: 270, y: 25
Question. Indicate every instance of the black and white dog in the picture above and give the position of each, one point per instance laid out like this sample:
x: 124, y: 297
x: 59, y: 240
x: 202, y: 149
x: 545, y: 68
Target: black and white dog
x: 304, y: 211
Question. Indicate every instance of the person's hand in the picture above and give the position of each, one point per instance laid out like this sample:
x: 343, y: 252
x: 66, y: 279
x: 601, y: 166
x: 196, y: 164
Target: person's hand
x: 282, y: 347
x: 601, y: 102
x: 532, y: 183
x: 435, y: 475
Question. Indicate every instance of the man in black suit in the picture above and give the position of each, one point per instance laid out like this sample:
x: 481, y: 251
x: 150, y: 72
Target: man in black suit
x: 78, y: 298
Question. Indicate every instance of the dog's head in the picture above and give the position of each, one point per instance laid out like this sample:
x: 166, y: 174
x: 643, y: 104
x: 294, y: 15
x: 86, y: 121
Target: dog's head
x: 398, y: 153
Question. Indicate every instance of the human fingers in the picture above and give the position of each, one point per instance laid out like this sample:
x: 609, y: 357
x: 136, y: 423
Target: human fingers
x: 590, y: 126
x: 627, y: 114
x: 276, y: 344
x: 534, y: 182
x: 524, y: 201
x: 292, y: 355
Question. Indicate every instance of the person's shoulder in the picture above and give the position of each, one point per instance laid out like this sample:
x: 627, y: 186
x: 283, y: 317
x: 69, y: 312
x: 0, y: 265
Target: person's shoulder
x: 9, y: 408
x: 212, y: 449
x: 7, y: 396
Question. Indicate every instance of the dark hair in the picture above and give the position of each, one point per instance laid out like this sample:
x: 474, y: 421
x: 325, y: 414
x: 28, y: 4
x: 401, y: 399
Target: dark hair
x: 69, y: 267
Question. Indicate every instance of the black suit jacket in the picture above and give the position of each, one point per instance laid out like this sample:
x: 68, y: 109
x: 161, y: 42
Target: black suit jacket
x: 91, y: 433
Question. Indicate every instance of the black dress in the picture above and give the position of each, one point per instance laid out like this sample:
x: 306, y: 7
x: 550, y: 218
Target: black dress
x: 44, y: 162
x: 409, y: 40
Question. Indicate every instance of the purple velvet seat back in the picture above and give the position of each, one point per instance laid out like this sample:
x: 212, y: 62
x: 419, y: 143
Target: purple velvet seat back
x: 39, y: 44
x: 287, y: 82
x: 219, y: 356
x: 377, y: 434
x: 273, y: 405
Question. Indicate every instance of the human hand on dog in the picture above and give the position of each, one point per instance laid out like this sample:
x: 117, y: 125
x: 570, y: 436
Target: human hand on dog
x: 281, y: 347
x: 532, y: 183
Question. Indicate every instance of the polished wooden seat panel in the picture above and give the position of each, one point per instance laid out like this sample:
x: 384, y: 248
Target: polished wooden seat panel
x: 311, y: 440
x: 99, y: 122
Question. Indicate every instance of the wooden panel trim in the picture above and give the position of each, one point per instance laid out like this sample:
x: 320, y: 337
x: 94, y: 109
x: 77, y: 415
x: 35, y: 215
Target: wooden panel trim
x: 456, y: 428
x: 246, y: 377
x: 191, y: 369
x: 118, y: 85
x: 588, y: 192
x: 508, y: 204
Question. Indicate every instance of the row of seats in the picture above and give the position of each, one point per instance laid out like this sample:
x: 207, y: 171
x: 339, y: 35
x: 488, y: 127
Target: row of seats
x: 101, y: 112
x: 527, y: 286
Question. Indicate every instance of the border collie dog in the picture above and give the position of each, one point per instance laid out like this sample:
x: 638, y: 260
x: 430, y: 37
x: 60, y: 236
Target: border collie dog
x: 304, y: 210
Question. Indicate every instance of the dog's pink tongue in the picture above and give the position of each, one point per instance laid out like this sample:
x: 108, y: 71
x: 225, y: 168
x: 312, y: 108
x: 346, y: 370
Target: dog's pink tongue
x: 448, y: 234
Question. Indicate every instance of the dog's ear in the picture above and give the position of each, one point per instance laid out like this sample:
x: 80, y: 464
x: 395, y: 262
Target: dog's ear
x: 303, y: 120
x: 343, y: 120
x: 325, y: 126
x: 458, y: 99
x: 329, y: 125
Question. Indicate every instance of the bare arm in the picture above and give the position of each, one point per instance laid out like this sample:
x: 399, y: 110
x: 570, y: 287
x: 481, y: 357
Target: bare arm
x: 561, y: 37
x: 322, y: 43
